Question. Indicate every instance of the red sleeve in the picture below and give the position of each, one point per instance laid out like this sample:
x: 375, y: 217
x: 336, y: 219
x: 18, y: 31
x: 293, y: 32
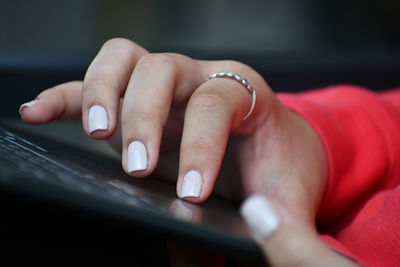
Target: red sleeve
x: 361, y: 134
x: 360, y: 131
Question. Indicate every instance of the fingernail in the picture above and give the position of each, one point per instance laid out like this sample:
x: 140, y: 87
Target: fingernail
x: 97, y: 118
x: 26, y: 105
x: 191, y: 184
x: 260, y: 216
x: 136, y: 157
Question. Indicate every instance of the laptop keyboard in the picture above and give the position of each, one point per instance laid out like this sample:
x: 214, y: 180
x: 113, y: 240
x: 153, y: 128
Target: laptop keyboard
x: 37, y: 162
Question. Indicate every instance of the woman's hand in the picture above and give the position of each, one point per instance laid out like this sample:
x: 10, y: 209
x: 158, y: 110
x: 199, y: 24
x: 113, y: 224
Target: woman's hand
x: 129, y: 97
x: 151, y: 93
x: 144, y: 103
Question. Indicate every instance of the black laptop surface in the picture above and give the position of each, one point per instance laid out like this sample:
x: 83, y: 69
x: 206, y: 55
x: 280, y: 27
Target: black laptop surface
x: 60, y: 192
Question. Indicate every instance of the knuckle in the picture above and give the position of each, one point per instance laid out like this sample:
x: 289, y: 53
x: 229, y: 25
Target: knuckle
x: 120, y: 44
x: 63, y: 87
x: 236, y: 65
x: 138, y: 118
x: 157, y: 58
x: 48, y: 92
x: 99, y: 84
x: 208, y: 99
x: 201, y: 147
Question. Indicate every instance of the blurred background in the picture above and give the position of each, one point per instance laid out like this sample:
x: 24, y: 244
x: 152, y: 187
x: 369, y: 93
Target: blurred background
x: 235, y: 25
x: 296, y: 45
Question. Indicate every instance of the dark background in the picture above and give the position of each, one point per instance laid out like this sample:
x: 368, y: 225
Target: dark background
x: 235, y: 25
x: 296, y: 45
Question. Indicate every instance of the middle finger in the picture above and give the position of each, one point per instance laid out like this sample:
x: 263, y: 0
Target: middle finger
x: 157, y: 80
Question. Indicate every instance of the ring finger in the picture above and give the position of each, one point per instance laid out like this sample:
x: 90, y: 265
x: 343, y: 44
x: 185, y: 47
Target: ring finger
x: 216, y: 108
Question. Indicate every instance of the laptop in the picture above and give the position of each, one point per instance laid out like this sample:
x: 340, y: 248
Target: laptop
x: 58, y: 193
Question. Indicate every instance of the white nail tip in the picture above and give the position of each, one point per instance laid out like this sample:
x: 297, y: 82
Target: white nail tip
x: 136, y: 156
x: 260, y: 216
x: 191, y: 184
x: 97, y: 118
x: 28, y: 104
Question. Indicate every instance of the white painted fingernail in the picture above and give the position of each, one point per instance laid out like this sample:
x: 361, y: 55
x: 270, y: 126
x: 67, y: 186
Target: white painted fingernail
x: 97, y: 118
x: 136, y: 158
x: 27, y: 104
x: 191, y: 184
x: 260, y: 216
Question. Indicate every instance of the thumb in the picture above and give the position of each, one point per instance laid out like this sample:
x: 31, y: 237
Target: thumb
x: 284, y: 239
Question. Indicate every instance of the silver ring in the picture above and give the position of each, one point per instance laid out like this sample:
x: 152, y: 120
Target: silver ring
x: 243, y: 81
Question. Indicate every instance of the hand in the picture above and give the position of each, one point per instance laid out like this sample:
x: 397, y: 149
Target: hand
x: 134, y: 99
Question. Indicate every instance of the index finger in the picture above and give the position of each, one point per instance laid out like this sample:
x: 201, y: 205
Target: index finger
x: 105, y: 83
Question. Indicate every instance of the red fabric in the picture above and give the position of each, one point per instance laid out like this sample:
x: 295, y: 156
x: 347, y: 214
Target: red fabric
x: 360, y: 213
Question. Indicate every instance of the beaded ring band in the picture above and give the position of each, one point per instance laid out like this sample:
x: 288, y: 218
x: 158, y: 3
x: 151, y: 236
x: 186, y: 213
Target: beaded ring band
x: 243, y: 81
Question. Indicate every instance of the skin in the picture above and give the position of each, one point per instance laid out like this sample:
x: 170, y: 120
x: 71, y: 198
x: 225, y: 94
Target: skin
x: 163, y: 101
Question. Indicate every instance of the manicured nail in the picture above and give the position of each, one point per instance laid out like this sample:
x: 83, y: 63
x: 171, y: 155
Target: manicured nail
x: 97, y: 119
x: 136, y: 158
x: 27, y: 104
x: 260, y: 216
x: 191, y: 184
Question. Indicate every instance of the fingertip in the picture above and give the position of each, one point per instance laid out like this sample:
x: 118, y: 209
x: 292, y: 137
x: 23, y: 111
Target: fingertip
x: 139, y: 173
x: 27, y: 105
x: 195, y: 200
x: 100, y: 134
x: 193, y: 187
x: 24, y: 110
x: 98, y: 122
x: 139, y: 159
x: 261, y: 216
x: 192, y: 183
x: 35, y: 112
